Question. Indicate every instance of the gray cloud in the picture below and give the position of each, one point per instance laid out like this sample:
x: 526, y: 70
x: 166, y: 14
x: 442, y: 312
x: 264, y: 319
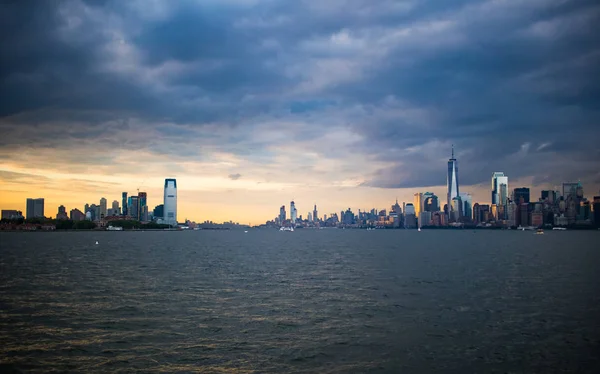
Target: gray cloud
x: 404, y: 80
x: 235, y: 176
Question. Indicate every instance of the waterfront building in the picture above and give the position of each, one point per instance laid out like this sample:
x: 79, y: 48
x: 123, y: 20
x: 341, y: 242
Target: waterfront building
x: 12, y: 214
x: 170, y: 201
x: 62, y: 213
x: 35, y: 208
x: 76, y: 215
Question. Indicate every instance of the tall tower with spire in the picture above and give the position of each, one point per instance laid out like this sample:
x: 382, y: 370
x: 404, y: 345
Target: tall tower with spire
x: 452, y: 180
x: 315, y: 216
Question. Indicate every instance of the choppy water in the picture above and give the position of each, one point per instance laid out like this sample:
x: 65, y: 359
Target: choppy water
x: 328, y: 301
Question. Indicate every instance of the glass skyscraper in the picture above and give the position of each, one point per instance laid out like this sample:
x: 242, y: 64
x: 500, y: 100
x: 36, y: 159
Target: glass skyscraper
x: 499, y: 188
x: 124, y: 203
x: 452, y: 182
x: 170, y: 202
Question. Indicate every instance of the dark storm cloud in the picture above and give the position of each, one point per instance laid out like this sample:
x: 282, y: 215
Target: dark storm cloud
x: 514, y: 85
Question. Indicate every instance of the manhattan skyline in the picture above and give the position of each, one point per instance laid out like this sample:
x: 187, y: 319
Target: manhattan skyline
x: 250, y: 105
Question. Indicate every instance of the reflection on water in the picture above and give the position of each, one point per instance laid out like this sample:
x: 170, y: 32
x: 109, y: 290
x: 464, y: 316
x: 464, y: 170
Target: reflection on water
x: 329, y: 301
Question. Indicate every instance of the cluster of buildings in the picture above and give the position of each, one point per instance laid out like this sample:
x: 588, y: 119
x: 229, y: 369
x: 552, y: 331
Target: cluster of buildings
x: 134, y: 207
x: 508, y: 208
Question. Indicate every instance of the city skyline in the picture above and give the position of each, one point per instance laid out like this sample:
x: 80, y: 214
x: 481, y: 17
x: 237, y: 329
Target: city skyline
x: 463, y: 208
x: 252, y: 104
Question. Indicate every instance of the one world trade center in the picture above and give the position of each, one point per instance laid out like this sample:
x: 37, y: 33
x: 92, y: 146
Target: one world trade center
x: 452, y: 181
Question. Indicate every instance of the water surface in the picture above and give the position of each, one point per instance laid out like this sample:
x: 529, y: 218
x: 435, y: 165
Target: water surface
x: 311, y: 301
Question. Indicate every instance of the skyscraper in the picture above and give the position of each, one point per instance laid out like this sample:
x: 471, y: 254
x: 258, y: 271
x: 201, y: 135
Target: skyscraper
x: 430, y: 202
x: 315, y: 215
x: 293, y: 212
x: 159, y: 211
x: 569, y: 190
x: 124, y: 203
x: 596, y: 209
x: 456, y: 209
x: 452, y: 180
x: 499, y: 188
x: 143, y: 201
x: 62, y: 213
x: 115, y: 211
x: 102, y: 207
x: 170, y: 201
x: 282, y: 215
x: 133, y: 207
x: 35, y: 208
x: 467, y: 205
x: 521, y: 193
x: 418, y: 203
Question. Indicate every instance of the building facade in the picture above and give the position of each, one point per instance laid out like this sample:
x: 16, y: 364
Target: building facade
x: 499, y: 188
x: 124, y: 202
x: 76, y: 215
x: 12, y: 214
x: 521, y: 195
x: 170, y: 201
x: 293, y: 212
x: 103, y: 206
x: 35, y: 208
x: 62, y: 213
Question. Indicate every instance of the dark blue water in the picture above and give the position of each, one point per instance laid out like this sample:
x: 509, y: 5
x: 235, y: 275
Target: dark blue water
x: 326, y: 301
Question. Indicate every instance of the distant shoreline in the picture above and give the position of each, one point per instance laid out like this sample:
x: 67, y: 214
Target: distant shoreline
x: 430, y: 228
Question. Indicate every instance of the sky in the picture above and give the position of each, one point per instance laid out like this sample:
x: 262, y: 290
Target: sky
x: 253, y: 103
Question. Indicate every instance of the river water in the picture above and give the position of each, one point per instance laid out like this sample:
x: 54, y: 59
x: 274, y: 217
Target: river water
x: 309, y: 301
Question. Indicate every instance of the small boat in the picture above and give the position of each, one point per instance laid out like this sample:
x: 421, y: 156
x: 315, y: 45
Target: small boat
x: 539, y: 232
x: 114, y: 228
x: 286, y: 229
x: 419, y: 229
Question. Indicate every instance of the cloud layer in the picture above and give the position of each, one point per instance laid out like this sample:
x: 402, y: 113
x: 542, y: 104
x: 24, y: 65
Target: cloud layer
x: 300, y: 96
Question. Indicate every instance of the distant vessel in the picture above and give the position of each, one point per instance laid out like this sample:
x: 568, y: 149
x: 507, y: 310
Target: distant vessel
x: 114, y: 228
x: 286, y: 229
x: 419, y: 229
x: 539, y: 232
x: 559, y: 228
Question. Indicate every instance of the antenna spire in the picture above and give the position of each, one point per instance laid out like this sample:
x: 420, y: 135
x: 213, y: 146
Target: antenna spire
x: 452, y: 150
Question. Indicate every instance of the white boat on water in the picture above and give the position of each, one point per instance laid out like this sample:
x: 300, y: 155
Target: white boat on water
x: 286, y: 229
x: 114, y: 228
x: 559, y: 228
